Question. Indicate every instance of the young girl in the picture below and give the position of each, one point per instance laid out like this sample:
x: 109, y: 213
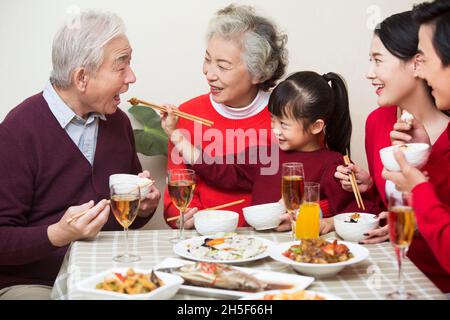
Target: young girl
x: 310, y: 119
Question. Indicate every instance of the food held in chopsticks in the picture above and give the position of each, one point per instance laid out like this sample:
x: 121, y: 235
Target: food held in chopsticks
x: 131, y: 283
x: 318, y: 251
x: 297, y: 295
x: 227, y: 248
x: 406, y: 117
x: 354, y: 218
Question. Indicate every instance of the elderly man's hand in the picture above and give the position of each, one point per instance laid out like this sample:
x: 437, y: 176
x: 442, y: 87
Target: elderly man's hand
x: 413, y: 132
x: 407, y: 178
x: 87, y: 226
x: 151, y: 201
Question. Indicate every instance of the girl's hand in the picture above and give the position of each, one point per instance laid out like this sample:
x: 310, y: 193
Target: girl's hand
x: 326, y: 225
x: 363, y: 178
x: 168, y: 119
x: 379, y: 234
x: 405, y: 132
x: 285, y: 224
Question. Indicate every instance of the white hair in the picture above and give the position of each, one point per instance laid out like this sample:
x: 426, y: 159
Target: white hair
x: 81, y: 45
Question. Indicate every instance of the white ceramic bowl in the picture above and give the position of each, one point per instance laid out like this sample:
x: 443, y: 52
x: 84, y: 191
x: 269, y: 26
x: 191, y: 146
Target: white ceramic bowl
x: 319, y: 270
x: 354, y: 231
x: 416, y: 154
x: 264, y: 216
x: 210, y: 222
x: 144, y: 183
x: 87, y: 287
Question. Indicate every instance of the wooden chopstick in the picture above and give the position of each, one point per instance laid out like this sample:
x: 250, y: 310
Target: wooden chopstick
x: 181, y: 114
x: 355, y: 188
x: 226, y: 205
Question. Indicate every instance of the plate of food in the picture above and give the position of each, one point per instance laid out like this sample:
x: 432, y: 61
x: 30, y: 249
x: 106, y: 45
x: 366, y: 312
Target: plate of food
x: 319, y: 257
x: 130, y: 284
x: 291, y: 295
x: 227, y: 282
x: 234, y: 249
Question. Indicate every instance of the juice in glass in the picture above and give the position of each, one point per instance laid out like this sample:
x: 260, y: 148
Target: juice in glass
x: 307, y: 225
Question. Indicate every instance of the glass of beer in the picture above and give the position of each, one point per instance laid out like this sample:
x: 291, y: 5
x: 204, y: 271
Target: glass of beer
x: 125, y: 200
x: 181, y: 184
x: 292, y: 187
x: 308, y: 218
x: 401, y: 222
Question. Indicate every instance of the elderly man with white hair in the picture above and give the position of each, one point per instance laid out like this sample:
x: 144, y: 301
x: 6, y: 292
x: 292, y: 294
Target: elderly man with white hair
x: 57, y: 151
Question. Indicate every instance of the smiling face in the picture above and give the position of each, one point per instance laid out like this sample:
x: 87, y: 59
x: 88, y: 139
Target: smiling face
x: 102, y: 91
x: 228, y: 77
x: 393, y: 78
x: 430, y: 68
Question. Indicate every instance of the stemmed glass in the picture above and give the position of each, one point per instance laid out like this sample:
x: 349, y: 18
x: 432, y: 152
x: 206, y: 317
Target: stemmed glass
x: 292, y: 188
x: 181, y: 184
x: 125, y: 200
x: 401, y: 232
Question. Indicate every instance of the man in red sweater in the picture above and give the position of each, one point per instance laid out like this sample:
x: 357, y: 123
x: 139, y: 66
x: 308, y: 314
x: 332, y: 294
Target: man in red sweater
x: 433, y: 215
x: 56, y: 151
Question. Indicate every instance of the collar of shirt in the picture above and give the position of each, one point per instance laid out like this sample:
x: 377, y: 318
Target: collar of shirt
x: 257, y: 105
x: 62, y: 112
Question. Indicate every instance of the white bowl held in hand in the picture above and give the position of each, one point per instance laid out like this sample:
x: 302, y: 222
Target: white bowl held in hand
x: 354, y: 231
x: 210, y: 222
x: 264, y: 216
x: 416, y: 155
x: 144, y: 183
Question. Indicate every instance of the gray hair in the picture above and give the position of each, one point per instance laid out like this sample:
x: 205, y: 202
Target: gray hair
x: 263, y: 45
x: 82, y: 45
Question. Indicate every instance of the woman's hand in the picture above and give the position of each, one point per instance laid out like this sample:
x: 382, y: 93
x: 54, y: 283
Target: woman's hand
x: 405, y: 132
x: 168, y: 119
x: 379, y: 234
x: 363, y: 178
x: 326, y: 225
x: 188, y: 218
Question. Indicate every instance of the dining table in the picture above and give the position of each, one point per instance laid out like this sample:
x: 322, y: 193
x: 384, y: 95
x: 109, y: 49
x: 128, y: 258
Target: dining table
x: 371, y: 279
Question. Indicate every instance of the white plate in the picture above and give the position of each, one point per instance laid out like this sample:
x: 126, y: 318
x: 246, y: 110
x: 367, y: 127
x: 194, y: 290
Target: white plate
x: 181, y: 249
x: 87, y: 287
x: 260, y: 295
x: 298, y: 282
x: 319, y: 270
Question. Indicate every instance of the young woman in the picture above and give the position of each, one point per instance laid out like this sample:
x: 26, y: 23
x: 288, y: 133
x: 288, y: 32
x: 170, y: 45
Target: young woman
x: 393, y: 72
x: 245, y: 57
x: 311, y: 122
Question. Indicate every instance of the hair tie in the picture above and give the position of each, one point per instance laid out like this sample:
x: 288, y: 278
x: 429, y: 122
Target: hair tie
x: 326, y: 77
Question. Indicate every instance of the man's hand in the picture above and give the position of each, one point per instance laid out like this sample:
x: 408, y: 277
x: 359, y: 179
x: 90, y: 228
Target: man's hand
x: 413, y: 132
x: 151, y: 201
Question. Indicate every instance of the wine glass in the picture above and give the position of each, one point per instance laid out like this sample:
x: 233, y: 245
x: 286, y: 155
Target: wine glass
x: 125, y: 200
x: 308, y: 218
x: 292, y: 188
x: 401, y: 232
x: 181, y: 185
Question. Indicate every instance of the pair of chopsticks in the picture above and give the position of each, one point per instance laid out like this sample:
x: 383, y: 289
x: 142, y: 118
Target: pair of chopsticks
x: 355, y: 188
x: 226, y: 205
x: 82, y: 213
x: 181, y: 114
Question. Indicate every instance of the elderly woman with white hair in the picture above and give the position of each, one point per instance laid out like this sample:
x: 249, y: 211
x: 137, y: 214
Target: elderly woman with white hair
x: 57, y: 151
x: 244, y: 59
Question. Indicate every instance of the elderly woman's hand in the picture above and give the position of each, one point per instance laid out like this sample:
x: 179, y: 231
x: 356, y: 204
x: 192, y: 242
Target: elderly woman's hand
x: 363, y: 178
x: 188, y: 218
x: 168, y: 119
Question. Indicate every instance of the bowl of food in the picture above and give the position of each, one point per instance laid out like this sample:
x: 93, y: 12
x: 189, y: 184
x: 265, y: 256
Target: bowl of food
x: 353, y: 226
x: 144, y: 183
x: 264, y: 216
x: 416, y: 155
x: 210, y: 222
x: 318, y: 257
x: 130, y: 284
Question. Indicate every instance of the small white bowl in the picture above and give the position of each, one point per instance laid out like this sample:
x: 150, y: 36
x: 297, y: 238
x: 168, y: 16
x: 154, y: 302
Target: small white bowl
x: 88, y: 287
x: 210, y: 222
x: 416, y: 154
x: 144, y: 183
x: 264, y: 216
x: 319, y: 270
x: 354, y: 231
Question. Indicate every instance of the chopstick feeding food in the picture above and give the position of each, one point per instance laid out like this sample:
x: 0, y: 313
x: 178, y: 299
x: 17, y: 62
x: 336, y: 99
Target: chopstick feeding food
x: 181, y: 114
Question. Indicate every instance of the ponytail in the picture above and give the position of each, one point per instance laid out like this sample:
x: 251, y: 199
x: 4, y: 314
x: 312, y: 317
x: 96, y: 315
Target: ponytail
x: 338, y: 130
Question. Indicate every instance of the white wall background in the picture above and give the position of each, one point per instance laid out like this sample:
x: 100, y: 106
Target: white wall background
x: 167, y: 37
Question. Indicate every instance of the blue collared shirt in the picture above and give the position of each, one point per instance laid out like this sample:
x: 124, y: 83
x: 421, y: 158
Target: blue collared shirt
x: 83, y: 132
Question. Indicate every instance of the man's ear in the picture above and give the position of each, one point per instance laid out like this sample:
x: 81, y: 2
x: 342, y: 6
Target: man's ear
x: 80, y: 79
x: 317, y: 127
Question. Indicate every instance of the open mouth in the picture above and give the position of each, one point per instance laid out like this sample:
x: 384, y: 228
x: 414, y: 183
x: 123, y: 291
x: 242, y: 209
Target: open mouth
x: 215, y: 90
x: 117, y: 98
x: 379, y: 88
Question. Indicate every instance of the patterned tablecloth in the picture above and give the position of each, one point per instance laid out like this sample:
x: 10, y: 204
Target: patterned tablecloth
x: 370, y: 279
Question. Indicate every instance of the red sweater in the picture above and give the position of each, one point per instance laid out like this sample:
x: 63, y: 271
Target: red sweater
x: 422, y: 251
x: 42, y: 174
x: 319, y: 166
x: 210, y: 140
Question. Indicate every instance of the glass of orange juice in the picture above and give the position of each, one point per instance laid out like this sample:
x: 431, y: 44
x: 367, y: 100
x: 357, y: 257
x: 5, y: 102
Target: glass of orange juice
x: 308, y: 219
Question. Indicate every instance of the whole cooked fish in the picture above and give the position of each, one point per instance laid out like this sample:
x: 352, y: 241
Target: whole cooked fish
x: 216, y: 275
